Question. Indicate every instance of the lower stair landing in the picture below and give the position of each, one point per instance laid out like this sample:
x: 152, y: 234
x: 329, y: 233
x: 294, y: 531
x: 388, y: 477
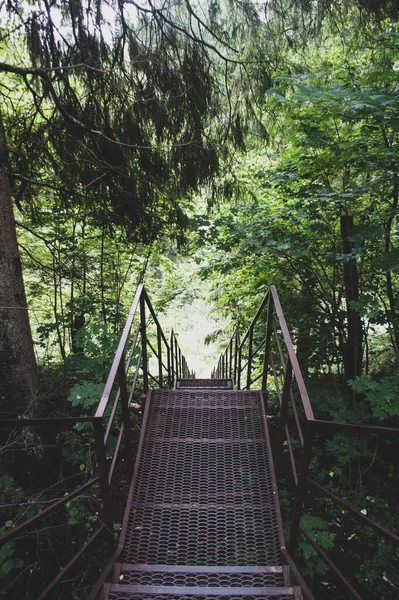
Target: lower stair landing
x: 202, y: 519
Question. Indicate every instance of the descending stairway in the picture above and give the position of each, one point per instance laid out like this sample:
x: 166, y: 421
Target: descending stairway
x: 202, y: 519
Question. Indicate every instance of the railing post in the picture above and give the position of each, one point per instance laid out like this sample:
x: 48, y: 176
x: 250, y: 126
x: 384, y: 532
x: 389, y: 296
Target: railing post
x: 159, y: 342
x: 301, y: 486
x: 176, y: 358
x: 124, y: 398
x: 169, y: 359
x: 230, y: 374
x: 236, y: 345
x: 239, y: 367
x: 269, y: 327
x: 283, y: 413
x: 250, y: 343
x: 103, y: 474
x: 144, y: 342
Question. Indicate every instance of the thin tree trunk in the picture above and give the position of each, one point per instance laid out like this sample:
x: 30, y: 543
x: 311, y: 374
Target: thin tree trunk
x: 55, y: 309
x: 353, y: 346
x: 393, y: 315
x: 77, y: 310
x: 18, y: 369
x: 102, y: 282
x: 304, y: 325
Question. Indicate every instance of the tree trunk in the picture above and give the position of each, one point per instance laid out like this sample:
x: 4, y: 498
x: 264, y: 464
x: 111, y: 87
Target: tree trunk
x: 393, y: 317
x: 18, y: 370
x: 353, y: 346
x: 304, y: 324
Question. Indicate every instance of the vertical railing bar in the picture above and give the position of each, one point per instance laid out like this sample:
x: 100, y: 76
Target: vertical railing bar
x: 178, y: 372
x: 159, y: 345
x: 172, y: 360
x: 301, y: 487
x: 230, y: 375
x: 251, y: 336
x: 176, y: 358
x: 287, y: 434
x: 144, y: 343
x: 169, y: 367
x: 235, y: 356
x: 103, y: 474
x: 292, y: 400
x: 239, y: 367
x: 125, y: 413
x: 283, y: 414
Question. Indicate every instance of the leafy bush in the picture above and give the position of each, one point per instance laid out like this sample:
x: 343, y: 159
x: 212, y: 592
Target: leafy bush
x: 381, y: 396
x: 318, y: 530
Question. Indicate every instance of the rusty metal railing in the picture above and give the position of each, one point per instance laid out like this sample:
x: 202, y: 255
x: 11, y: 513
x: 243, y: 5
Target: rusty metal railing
x: 267, y: 350
x: 144, y: 355
x: 142, y: 329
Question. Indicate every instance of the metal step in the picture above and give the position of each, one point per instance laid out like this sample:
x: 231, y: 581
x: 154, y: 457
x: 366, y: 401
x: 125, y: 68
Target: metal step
x: 201, y: 576
x: 220, y: 384
x: 148, y: 592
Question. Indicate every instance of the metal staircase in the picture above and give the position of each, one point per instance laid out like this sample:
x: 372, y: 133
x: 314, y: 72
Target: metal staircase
x: 202, y: 518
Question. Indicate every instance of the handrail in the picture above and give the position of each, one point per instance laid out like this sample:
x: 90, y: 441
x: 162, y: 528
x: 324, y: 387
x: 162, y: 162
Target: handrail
x: 124, y: 391
x: 119, y: 353
x: 16, y: 423
x: 241, y: 352
x: 292, y: 356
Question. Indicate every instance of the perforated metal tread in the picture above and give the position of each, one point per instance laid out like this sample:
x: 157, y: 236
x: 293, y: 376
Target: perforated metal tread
x: 164, y: 575
x: 199, y: 499
x: 202, y: 520
x: 223, y: 384
x: 133, y: 592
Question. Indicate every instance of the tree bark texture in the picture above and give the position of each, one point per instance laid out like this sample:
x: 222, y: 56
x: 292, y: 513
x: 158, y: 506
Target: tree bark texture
x: 353, y: 346
x: 18, y: 369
